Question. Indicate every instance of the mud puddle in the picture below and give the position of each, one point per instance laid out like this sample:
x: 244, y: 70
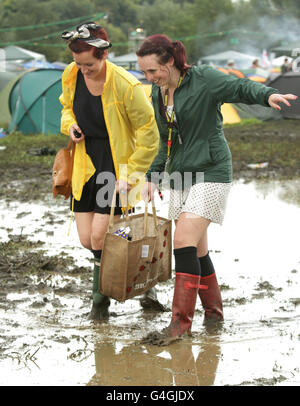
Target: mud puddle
x: 45, y: 296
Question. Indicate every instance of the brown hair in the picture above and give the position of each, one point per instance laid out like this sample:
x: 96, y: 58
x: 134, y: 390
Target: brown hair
x: 165, y: 48
x: 78, y: 46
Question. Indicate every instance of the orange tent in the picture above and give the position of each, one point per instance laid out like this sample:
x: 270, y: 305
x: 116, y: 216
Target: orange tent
x: 231, y: 71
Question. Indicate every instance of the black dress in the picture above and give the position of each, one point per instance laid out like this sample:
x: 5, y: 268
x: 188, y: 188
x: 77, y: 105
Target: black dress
x: 97, y: 192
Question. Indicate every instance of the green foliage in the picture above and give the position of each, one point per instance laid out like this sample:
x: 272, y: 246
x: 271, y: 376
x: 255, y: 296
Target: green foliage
x: 205, y: 26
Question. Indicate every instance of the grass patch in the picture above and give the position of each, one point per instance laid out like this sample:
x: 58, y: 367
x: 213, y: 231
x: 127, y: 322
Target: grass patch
x: 24, y: 176
x: 251, y: 141
x: 19, y: 147
x: 246, y: 122
x: 275, y: 142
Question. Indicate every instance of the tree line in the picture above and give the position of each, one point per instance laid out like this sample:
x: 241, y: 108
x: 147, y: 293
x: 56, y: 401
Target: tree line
x: 204, y: 26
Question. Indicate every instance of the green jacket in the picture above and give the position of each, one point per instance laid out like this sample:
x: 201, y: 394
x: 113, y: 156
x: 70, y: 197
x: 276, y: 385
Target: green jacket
x: 198, y: 144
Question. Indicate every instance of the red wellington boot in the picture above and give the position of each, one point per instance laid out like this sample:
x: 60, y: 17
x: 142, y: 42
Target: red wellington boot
x: 183, y: 307
x: 211, y: 298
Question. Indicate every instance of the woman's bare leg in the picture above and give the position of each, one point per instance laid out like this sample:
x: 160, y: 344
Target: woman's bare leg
x: 191, y: 230
x: 92, y: 228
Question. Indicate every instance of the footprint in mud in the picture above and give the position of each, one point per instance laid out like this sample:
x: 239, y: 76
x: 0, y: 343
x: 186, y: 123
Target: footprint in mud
x: 70, y: 287
x: 23, y: 214
x: 39, y: 303
x: 266, y: 286
x: 56, y: 302
x: 60, y: 339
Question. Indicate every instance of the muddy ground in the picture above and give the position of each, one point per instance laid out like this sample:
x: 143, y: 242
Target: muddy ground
x: 45, y: 280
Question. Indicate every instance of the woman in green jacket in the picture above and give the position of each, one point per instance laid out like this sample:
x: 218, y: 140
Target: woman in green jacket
x: 195, y: 155
x: 108, y: 115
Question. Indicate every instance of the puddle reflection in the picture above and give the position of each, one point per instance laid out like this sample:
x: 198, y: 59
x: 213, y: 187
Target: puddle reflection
x: 180, y: 364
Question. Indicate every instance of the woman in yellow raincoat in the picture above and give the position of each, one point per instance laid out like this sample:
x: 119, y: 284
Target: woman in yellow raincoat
x: 107, y: 114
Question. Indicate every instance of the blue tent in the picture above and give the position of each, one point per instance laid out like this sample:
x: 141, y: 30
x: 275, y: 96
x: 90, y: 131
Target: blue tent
x: 40, y: 65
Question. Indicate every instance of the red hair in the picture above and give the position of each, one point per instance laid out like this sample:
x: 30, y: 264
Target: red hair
x: 79, y: 46
x: 165, y: 49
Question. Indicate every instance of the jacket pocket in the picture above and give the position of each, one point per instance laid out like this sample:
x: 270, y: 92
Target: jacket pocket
x: 219, y: 149
x: 197, y: 157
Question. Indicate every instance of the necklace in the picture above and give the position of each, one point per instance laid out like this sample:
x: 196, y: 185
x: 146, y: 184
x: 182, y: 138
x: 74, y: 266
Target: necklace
x: 170, y: 119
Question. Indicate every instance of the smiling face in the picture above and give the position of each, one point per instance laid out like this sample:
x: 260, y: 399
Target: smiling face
x: 154, y: 71
x: 89, y: 66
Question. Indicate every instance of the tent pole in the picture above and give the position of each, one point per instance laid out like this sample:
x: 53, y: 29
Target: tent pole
x: 44, y: 114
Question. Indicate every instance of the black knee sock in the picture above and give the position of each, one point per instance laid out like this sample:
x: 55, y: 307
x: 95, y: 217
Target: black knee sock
x: 186, y: 261
x: 207, y: 267
x: 97, y: 253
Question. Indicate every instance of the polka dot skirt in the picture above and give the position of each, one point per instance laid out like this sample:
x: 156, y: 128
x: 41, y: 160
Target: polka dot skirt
x: 206, y: 199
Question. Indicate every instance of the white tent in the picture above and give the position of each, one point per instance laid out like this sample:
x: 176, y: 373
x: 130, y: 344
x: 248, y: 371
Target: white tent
x: 128, y: 60
x: 221, y: 59
x: 21, y: 55
x: 277, y: 62
x: 12, y: 58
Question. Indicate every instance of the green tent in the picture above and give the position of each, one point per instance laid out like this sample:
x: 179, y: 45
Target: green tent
x: 5, y: 115
x: 5, y: 77
x: 33, y: 102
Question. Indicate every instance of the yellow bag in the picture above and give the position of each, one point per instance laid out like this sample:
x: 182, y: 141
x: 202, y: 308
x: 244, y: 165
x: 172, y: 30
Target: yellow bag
x: 131, y: 267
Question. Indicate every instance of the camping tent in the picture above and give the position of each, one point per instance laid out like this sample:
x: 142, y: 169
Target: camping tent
x: 29, y: 102
x: 127, y: 61
x: 289, y: 83
x: 13, y: 57
x: 257, y: 74
x: 5, y: 115
x: 5, y: 77
x: 291, y: 49
x: 233, y: 113
x: 33, y: 102
x: 241, y: 60
x: 35, y: 64
x: 15, y: 53
x: 279, y: 61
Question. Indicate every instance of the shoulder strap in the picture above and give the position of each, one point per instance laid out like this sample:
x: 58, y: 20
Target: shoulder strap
x: 71, y: 146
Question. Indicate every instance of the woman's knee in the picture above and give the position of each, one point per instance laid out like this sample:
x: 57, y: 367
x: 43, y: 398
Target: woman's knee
x: 201, y: 252
x: 202, y: 247
x: 99, y: 229
x: 97, y: 239
x: 180, y: 242
x: 85, y: 241
x: 191, y: 230
x: 182, y: 239
x: 83, y: 223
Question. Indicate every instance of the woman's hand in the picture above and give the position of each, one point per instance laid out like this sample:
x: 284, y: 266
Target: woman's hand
x: 276, y: 98
x: 148, y: 191
x: 122, y: 186
x: 76, y: 134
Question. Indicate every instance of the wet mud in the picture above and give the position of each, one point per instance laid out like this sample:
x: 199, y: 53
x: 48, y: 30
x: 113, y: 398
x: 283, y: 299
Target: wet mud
x: 46, y: 337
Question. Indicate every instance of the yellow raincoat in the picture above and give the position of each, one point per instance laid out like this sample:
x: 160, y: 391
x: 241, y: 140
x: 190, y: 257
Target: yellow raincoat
x: 131, y: 126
